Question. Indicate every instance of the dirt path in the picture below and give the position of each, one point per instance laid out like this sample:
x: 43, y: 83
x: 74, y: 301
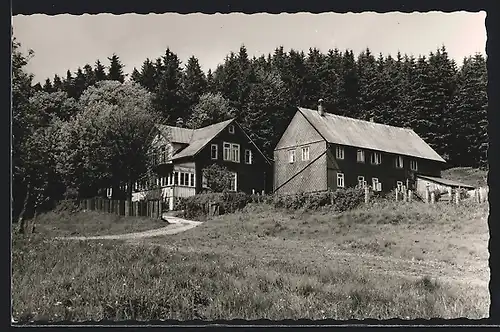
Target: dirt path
x: 176, y: 225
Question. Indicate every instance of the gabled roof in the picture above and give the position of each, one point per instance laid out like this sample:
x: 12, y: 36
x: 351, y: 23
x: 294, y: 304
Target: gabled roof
x: 445, y: 182
x: 369, y: 135
x: 196, y: 139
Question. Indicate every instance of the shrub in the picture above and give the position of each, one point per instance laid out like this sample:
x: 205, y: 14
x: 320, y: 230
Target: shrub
x: 198, y: 205
x: 67, y: 206
x: 340, y: 199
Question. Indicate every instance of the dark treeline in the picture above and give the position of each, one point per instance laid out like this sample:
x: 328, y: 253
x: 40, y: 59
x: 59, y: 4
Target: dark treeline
x: 443, y: 102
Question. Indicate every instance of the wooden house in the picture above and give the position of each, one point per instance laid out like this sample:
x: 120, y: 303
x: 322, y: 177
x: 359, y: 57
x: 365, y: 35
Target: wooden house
x: 320, y: 151
x: 183, y: 153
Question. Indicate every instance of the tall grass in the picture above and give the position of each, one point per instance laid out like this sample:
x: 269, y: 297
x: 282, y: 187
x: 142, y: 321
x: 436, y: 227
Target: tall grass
x: 88, y: 223
x: 106, y: 280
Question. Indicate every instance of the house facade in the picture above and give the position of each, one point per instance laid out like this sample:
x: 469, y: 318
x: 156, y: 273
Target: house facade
x: 182, y: 154
x: 320, y: 151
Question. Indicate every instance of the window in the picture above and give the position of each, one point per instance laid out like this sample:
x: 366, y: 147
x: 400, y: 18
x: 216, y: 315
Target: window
x: 176, y: 178
x: 231, y: 129
x: 340, y: 180
x: 305, y: 153
x: 399, y: 185
x: 234, y: 182
x: 231, y: 152
x: 339, y: 152
x: 184, y: 180
x: 248, y: 157
x: 136, y: 186
x: 161, y: 181
x: 360, y: 156
x: 376, y: 158
x: 413, y: 165
x: 291, y: 156
x: 399, y: 162
x: 361, y: 181
x: 213, y: 151
x: 191, y: 180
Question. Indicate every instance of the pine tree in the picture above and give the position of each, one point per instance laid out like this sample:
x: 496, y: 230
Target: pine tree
x: 349, y: 87
x: 99, y: 72
x: 210, y: 81
x: 168, y: 98
x: 147, y: 75
x: 69, y: 85
x: 47, y: 87
x: 135, y: 76
x: 80, y: 83
x: 193, y: 82
x: 89, y: 74
x: 469, y: 114
x: 58, y: 84
x: 370, y: 98
x: 315, y: 75
x: 115, y: 72
x: 332, y: 81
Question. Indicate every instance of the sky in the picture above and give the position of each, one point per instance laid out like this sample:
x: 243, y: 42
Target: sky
x: 66, y: 41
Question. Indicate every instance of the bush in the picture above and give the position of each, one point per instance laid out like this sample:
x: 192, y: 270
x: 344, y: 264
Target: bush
x: 198, y: 205
x: 67, y: 206
x: 340, y: 199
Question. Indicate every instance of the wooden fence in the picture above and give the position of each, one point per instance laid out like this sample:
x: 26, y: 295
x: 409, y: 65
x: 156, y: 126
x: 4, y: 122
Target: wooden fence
x: 150, y: 208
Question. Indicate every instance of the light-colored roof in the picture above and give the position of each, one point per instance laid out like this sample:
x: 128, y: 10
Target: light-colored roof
x: 195, y: 138
x: 445, y: 182
x: 369, y: 135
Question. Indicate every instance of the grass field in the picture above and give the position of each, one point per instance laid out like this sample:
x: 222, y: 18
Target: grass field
x: 92, y: 223
x: 467, y: 175
x: 384, y: 261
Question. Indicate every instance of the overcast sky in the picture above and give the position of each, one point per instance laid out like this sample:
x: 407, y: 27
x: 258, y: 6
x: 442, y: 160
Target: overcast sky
x: 65, y: 42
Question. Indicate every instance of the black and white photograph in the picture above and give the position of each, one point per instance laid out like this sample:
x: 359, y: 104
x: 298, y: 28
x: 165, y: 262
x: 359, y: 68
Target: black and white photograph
x: 249, y: 166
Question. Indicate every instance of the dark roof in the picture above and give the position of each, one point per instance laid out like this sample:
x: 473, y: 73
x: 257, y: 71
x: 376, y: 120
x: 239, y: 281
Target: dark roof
x: 369, y: 135
x: 196, y: 139
x: 445, y: 182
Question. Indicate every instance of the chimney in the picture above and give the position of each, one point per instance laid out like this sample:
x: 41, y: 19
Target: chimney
x: 179, y: 122
x: 321, y: 110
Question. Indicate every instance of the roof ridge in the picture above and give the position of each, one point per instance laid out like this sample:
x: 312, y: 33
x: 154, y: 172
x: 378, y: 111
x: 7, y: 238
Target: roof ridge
x: 355, y: 119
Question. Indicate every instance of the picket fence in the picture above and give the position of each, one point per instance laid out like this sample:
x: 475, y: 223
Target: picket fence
x: 150, y: 208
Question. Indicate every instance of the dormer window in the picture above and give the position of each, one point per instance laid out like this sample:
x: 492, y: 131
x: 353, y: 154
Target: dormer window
x: 231, y: 129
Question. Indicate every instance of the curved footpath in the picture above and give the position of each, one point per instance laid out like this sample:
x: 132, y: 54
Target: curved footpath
x: 177, y: 225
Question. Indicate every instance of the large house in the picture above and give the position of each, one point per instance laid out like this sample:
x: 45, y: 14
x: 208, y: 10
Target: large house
x: 320, y: 151
x: 183, y: 153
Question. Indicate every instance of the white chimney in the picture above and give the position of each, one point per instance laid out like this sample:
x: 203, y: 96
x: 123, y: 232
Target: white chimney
x: 372, y: 119
x: 321, y: 111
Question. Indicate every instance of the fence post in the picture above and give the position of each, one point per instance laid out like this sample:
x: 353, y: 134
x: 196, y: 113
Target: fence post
x: 160, y: 210
x: 405, y: 195
x: 367, y: 195
x: 450, y: 193
x: 433, y: 198
x: 410, y: 195
x: 427, y: 194
x: 397, y: 192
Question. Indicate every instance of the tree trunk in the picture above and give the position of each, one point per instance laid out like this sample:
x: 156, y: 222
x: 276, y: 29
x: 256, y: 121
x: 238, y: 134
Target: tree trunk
x: 129, y: 199
x: 27, y: 211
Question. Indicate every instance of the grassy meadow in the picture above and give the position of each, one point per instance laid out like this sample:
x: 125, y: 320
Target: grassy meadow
x: 380, y: 261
